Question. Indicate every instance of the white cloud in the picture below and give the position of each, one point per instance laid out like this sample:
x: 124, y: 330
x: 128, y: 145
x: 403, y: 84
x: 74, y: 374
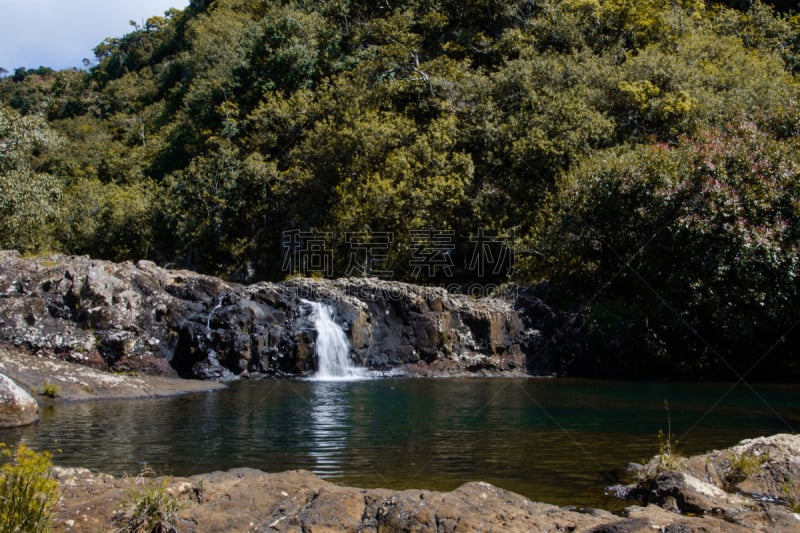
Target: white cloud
x: 59, y: 33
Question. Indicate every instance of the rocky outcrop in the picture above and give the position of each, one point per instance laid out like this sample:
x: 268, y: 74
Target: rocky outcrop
x: 140, y: 317
x: 246, y: 500
x: 70, y: 381
x: 755, y: 484
x: 17, y: 407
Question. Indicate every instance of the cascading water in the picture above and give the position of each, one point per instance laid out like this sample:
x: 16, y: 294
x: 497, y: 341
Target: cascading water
x: 332, y: 348
x: 212, y: 362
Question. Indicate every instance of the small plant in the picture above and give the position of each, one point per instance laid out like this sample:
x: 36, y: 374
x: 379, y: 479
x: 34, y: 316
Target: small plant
x: 51, y: 390
x: 668, y: 458
x: 791, y: 495
x: 28, y: 493
x: 444, y: 338
x: 152, y: 508
x: 198, y: 492
x: 741, y: 466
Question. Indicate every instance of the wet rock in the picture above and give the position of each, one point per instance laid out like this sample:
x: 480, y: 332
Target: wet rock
x: 17, y: 407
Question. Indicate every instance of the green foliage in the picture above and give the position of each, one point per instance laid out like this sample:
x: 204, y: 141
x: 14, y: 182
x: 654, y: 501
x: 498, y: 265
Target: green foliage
x: 668, y: 458
x: 743, y: 465
x: 29, y: 200
x: 51, y: 390
x: 630, y: 223
x: 151, y: 507
x: 110, y: 220
x: 791, y: 495
x: 28, y: 493
x: 614, y: 138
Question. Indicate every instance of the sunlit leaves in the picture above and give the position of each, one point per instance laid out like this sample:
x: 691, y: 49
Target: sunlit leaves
x: 29, y: 200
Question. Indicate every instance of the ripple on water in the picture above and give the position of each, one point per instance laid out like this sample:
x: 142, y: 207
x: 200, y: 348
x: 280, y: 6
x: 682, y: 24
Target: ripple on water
x: 559, y: 441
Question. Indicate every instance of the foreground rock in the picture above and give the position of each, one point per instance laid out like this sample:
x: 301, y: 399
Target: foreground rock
x: 755, y: 484
x: 150, y: 320
x: 17, y: 407
x: 246, y: 500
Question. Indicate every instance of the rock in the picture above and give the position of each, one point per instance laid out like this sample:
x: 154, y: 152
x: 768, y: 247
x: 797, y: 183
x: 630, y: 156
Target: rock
x: 145, y: 319
x: 249, y: 500
x: 682, y: 492
x: 17, y: 407
x: 754, y: 484
x: 79, y: 382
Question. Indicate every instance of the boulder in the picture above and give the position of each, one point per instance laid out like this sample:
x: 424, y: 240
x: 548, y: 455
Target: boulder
x: 755, y: 484
x: 682, y: 492
x: 17, y: 407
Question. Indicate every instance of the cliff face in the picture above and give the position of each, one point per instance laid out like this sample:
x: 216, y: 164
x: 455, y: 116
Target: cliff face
x: 126, y: 316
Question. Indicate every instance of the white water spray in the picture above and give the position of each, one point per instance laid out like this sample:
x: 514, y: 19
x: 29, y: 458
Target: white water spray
x: 213, y: 361
x: 210, y: 316
x: 332, y: 348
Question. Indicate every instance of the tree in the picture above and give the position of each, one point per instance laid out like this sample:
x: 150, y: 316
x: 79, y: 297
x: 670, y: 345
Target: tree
x: 29, y: 200
x: 688, y: 254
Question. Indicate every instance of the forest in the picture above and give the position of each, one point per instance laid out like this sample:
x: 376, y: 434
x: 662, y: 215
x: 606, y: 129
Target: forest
x: 636, y: 161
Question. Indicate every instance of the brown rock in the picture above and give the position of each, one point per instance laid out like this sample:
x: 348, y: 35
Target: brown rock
x: 297, y: 501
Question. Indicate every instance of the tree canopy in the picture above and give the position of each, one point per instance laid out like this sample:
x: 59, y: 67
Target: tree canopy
x: 640, y: 156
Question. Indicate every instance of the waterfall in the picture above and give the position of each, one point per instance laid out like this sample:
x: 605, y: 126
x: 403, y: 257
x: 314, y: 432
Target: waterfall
x: 332, y: 348
x: 213, y: 363
x: 210, y: 315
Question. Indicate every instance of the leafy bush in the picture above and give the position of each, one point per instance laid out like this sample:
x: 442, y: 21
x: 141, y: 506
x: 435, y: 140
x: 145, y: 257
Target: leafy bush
x: 28, y: 493
x: 692, y: 249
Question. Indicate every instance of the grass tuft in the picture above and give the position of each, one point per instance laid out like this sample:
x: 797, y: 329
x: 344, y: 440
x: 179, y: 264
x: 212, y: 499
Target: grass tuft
x: 51, y: 390
x: 151, y: 507
x: 743, y: 465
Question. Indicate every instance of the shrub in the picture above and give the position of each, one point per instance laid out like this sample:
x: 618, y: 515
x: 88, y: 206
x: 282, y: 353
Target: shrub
x: 51, y: 390
x: 151, y: 506
x: 28, y: 493
x: 743, y: 465
x: 694, y: 247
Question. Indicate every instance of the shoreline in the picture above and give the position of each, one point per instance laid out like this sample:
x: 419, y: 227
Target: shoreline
x: 76, y: 382
x: 246, y: 499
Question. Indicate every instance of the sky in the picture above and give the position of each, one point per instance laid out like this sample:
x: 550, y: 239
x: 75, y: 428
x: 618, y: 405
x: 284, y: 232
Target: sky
x: 61, y: 33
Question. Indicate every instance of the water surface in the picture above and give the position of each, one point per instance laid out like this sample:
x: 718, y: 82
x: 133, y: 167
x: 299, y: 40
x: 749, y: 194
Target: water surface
x: 555, y: 440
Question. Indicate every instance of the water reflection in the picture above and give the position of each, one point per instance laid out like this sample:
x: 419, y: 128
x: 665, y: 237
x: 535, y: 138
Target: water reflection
x: 329, y: 422
x: 558, y: 441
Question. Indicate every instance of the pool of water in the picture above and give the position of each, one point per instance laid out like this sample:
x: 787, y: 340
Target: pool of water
x: 555, y: 440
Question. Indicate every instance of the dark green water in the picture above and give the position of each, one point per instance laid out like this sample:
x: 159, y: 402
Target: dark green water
x: 553, y: 440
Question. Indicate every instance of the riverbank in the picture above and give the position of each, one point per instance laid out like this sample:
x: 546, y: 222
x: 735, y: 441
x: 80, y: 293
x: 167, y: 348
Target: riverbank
x: 74, y: 382
x: 250, y: 500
